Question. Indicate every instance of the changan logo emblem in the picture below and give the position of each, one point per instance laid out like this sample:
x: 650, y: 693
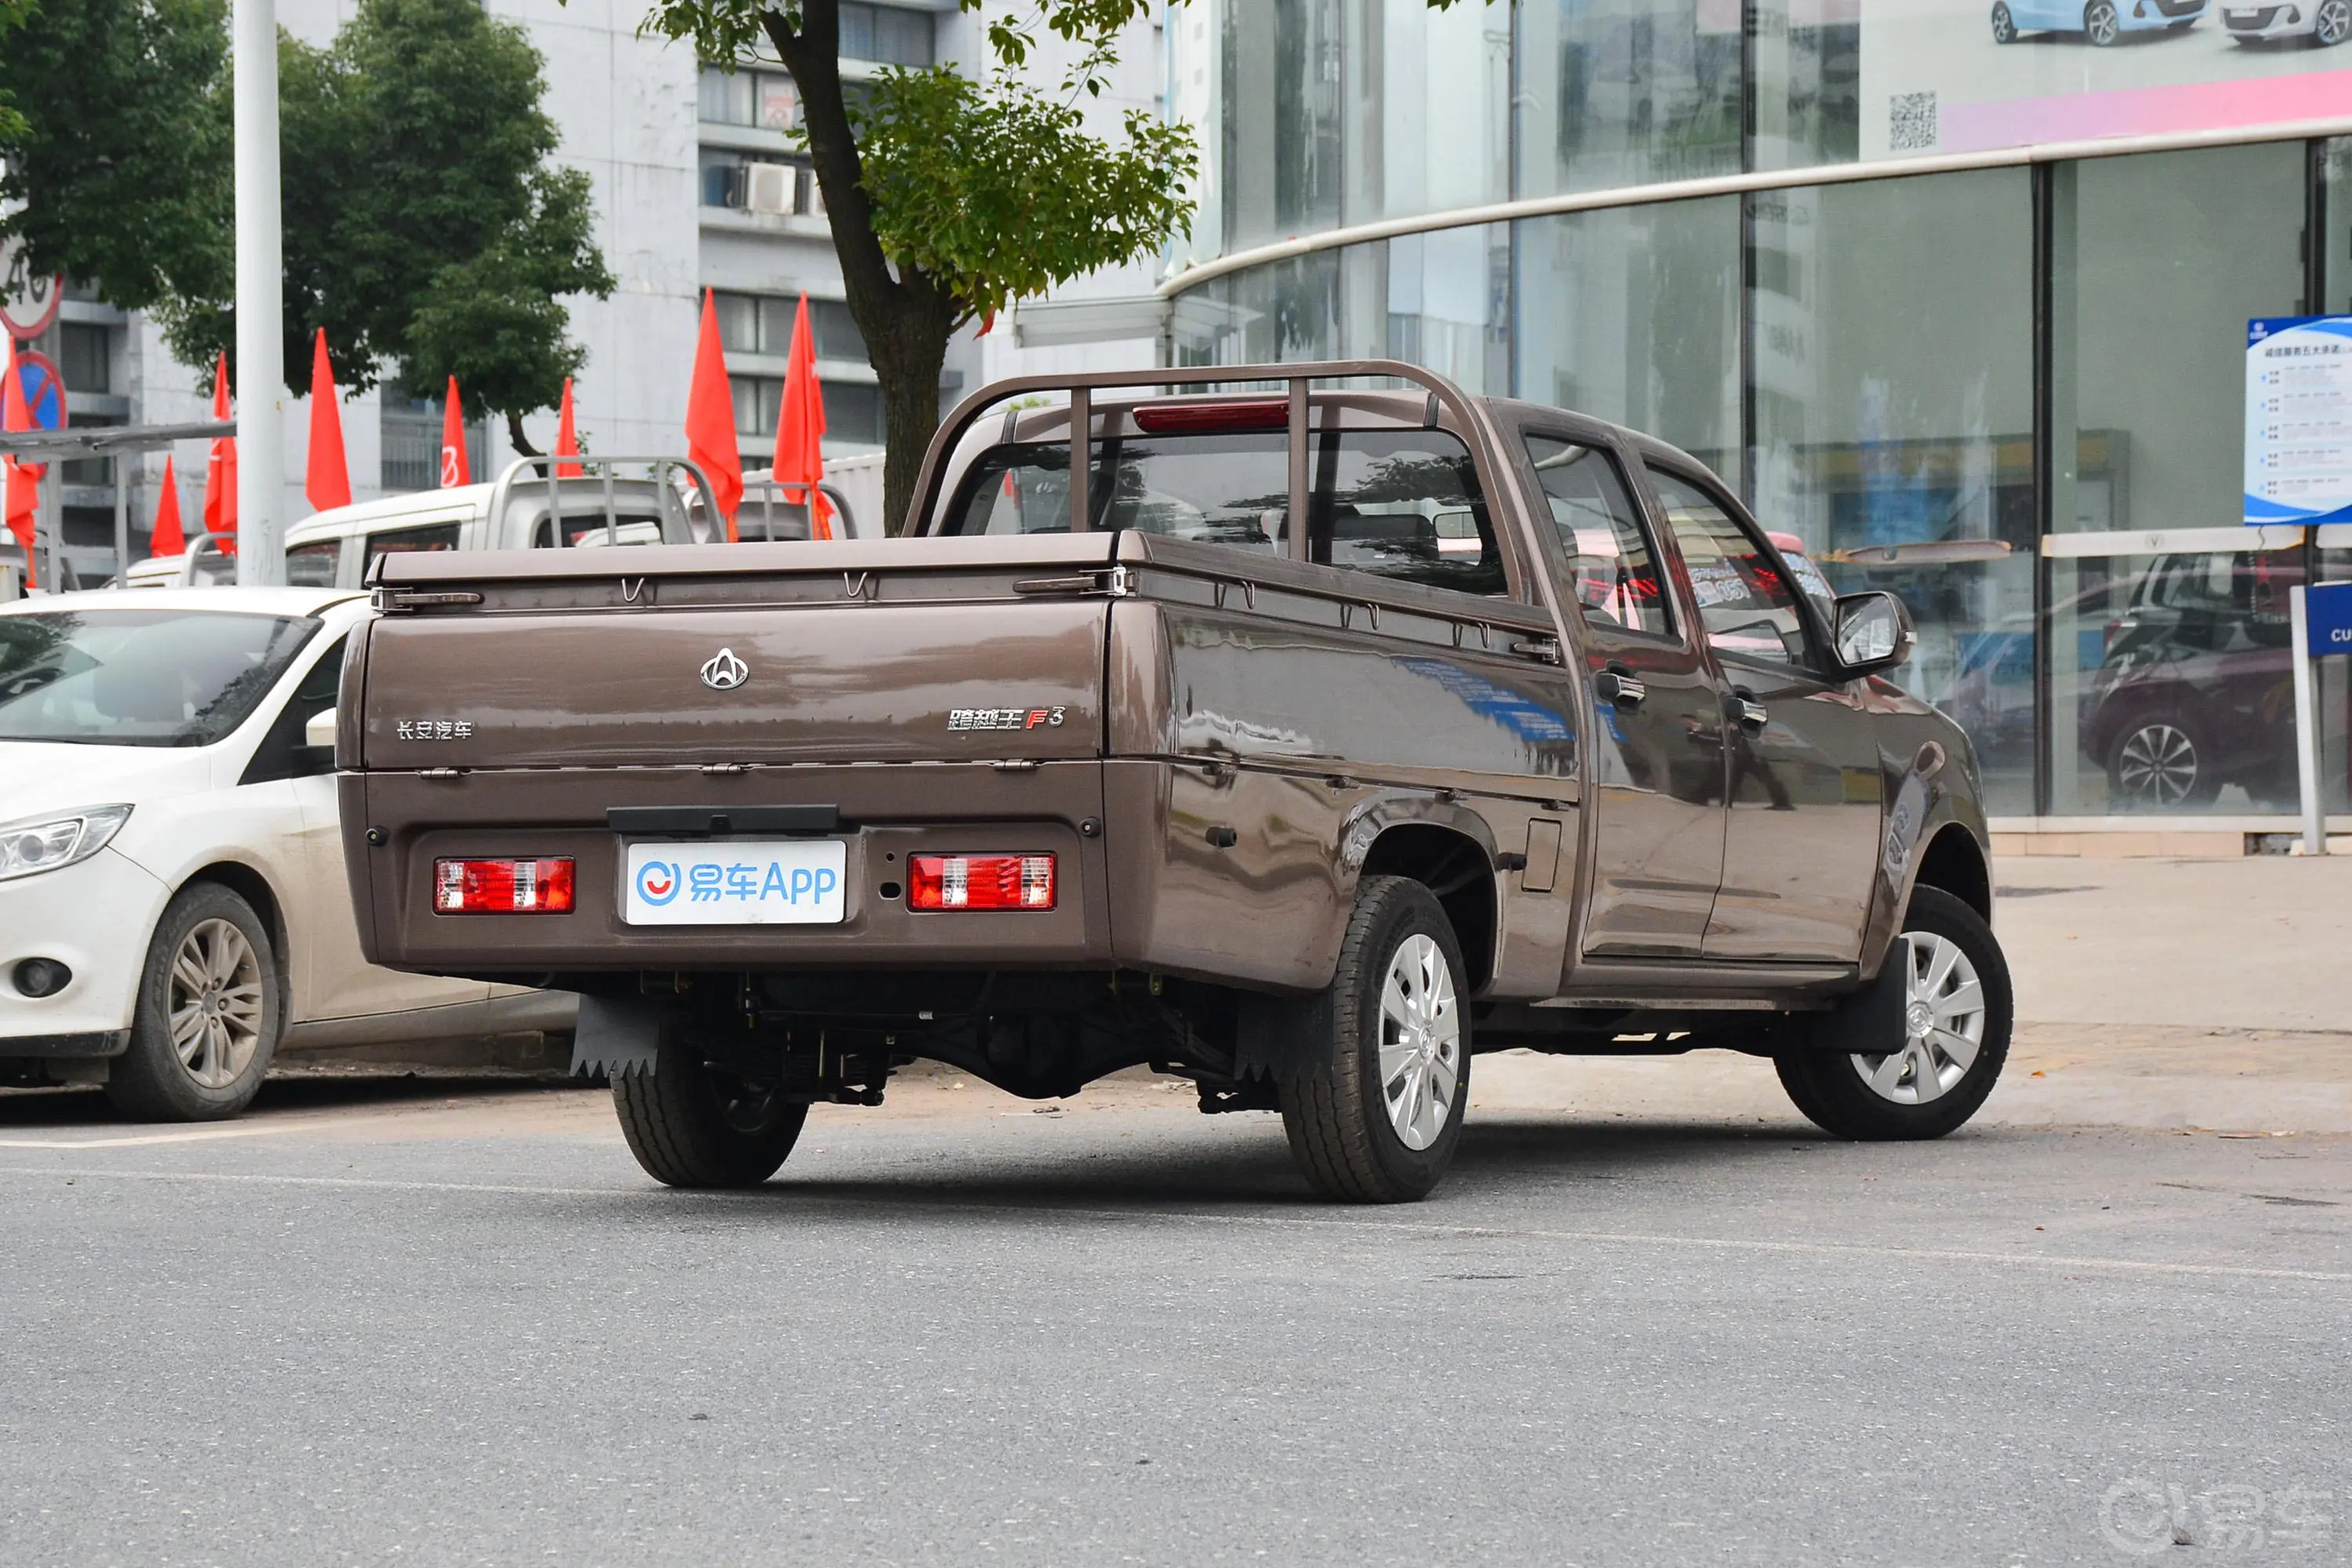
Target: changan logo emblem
x: 724, y: 671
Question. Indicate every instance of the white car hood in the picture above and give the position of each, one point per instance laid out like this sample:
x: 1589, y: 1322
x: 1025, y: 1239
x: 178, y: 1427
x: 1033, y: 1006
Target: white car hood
x: 38, y: 777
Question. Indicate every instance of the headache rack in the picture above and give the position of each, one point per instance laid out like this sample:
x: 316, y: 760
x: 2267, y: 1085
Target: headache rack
x: 1261, y: 413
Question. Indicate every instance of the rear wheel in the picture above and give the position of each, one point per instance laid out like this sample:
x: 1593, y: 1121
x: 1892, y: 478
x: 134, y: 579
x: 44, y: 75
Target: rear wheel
x: 1958, y: 1010
x: 691, y: 1125
x: 1379, y: 1117
x: 2332, y: 23
x: 2004, y: 26
x: 211, y: 1007
x: 2101, y: 24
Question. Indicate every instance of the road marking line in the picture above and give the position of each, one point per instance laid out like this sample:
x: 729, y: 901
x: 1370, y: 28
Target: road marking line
x: 205, y: 1135
x: 1466, y: 1232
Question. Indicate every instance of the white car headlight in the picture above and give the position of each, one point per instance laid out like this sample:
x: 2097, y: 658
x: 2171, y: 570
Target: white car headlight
x: 45, y: 843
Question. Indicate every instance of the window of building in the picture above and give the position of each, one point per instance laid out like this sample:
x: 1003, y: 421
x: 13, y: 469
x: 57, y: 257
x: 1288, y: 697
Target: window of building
x: 853, y: 409
x: 1622, y: 92
x: 86, y: 356
x: 885, y: 33
x: 762, y: 324
x: 748, y: 95
x: 779, y: 186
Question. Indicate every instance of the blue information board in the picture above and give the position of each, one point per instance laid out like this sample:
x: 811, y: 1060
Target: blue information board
x: 2327, y: 618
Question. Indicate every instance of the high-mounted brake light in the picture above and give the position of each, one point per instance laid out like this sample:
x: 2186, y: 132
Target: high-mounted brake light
x: 502, y: 887
x: 980, y: 881
x: 1196, y: 418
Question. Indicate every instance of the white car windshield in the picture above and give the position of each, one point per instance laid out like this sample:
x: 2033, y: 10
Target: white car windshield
x: 140, y: 677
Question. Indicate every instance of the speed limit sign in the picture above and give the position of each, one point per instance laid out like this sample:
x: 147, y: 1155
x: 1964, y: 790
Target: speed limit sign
x: 28, y: 301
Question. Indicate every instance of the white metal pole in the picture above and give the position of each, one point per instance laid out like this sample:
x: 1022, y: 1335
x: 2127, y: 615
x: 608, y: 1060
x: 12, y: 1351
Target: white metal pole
x: 2306, y: 725
x: 259, y: 380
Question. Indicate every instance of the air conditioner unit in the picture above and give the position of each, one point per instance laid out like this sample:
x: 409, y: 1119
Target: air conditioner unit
x: 768, y: 187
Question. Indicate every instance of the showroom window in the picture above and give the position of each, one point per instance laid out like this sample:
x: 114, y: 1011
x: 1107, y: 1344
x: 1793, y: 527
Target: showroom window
x: 1892, y: 349
x: 1625, y: 92
x: 1632, y: 314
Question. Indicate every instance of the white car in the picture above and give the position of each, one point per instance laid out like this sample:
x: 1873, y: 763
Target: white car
x: 173, y: 907
x: 2326, y: 23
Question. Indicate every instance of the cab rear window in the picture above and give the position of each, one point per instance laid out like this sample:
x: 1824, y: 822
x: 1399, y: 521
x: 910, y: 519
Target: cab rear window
x: 1402, y: 504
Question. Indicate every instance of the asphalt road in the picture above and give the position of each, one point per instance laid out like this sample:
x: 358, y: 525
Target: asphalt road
x: 449, y: 1323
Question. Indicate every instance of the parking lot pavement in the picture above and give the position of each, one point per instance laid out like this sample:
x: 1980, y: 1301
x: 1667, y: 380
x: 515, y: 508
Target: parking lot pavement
x: 443, y: 1320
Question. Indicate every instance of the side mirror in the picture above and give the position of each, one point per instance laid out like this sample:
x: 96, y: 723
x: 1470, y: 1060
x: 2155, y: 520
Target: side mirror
x: 1874, y: 632
x: 318, y: 741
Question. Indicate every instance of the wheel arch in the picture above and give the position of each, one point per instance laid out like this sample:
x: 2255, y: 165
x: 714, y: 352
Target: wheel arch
x: 249, y: 884
x: 1955, y: 862
x: 1458, y: 869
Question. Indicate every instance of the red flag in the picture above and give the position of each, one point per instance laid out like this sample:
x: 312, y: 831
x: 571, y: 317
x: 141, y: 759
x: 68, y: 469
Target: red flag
x: 710, y: 419
x: 23, y: 489
x: 567, y: 439
x: 169, y: 538
x: 800, y: 428
x: 329, y: 481
x: 455, y: 469
x: 220, y: 469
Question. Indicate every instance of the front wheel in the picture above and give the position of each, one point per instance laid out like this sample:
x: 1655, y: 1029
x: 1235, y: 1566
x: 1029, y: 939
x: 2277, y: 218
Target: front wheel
x: 1957, y: 1013
x: 2004, y: 26
x: 1379, y: 1115
x: 2332, y: 23
x: 212, y: 1003
x: 2101, y: 24
x: 691, y: 1125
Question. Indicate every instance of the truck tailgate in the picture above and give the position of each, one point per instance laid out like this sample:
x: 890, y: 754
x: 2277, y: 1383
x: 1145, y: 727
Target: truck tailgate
x: 908, y: 657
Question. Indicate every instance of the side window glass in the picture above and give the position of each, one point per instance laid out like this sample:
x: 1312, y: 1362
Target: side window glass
x: 313, y: 565
x: 279, y: 754
x: 1612, y: 572
x: 1748, y: 607
x: 397, y: 541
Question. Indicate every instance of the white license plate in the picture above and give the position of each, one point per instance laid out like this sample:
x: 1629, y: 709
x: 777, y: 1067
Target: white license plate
x: 736, y: 882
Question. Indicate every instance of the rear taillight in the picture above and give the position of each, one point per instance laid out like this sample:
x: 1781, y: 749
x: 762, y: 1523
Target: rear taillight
x: 980, y: 881
x: 502, y: 887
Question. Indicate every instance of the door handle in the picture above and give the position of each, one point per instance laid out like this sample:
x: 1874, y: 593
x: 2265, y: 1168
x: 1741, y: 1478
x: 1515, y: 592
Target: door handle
x: 1619, y: 687
x: 1751, y: 715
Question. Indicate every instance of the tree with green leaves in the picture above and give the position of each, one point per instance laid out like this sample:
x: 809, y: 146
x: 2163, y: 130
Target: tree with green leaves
x: 116, y: 142
x: 425, y: 228
x: 952, y: 197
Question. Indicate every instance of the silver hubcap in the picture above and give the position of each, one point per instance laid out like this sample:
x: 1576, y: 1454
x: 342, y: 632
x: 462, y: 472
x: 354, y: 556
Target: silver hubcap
x: 216, y: 1004
x: 2001, y: 25
x: 1942, y: 1025
x: 2335, y: 21
x: 1420, y: 1041
x: 2158, y: 764
x: 2102, y: 25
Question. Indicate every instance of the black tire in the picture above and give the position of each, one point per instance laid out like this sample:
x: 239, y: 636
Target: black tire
x: 2004, y: 26
x: 2332, y: 23
x: 2102, y: 23
x: 1834, y: 1088
x: 231, y: 1024
x: 2163, y: 762
x: 1337, y: 1115
x: 690, y: 1126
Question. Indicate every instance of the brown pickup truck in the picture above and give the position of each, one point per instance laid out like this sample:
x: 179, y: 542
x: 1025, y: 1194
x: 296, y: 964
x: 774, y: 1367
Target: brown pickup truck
x: 1297, y: 743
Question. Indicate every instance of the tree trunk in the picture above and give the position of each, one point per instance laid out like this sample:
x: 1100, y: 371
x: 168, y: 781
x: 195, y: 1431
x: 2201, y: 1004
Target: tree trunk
x: 516, y: 438
x: 905, y: 319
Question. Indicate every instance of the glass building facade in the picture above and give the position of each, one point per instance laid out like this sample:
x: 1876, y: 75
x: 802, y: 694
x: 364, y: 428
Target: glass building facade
x: 2008, y: 384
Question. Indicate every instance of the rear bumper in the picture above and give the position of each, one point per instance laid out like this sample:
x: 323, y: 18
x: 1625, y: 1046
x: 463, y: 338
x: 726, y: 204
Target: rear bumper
x: 889, y: 812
